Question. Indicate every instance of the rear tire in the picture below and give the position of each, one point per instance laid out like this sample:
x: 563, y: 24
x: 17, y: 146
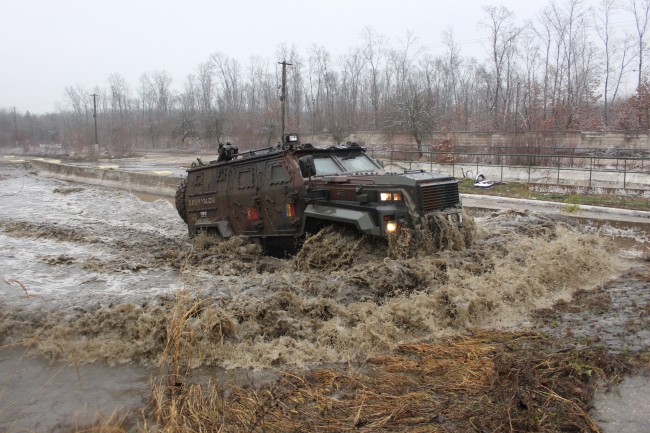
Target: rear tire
x: 180, y: 200
x: 282, y: 247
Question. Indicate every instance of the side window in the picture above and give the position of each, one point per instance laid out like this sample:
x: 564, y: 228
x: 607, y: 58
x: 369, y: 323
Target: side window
x: 245, y: 179
x: 276, y: 173
x: 279, y: 174
x: 218, y: 176
x: 198, y: 179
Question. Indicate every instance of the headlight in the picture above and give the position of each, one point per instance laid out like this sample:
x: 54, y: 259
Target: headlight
x: 390, y: 196
x: 391, y: 227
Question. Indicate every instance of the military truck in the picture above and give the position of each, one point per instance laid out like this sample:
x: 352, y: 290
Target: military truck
x: 278, y: 194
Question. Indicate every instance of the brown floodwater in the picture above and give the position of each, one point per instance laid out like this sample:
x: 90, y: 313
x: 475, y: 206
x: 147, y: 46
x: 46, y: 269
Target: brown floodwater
x: 104, y: 272
x: 146, y: 197
x: 624, y: 408
x: 44, y: 396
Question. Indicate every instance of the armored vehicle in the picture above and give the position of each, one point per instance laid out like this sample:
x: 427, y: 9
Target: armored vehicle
x: 278, y: 194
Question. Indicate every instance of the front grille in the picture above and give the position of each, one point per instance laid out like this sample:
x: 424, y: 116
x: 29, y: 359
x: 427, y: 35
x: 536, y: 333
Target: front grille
x: 438, y: 196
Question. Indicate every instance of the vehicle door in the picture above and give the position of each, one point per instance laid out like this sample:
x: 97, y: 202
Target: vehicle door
x: 278, y: 199
x: 243, y: 198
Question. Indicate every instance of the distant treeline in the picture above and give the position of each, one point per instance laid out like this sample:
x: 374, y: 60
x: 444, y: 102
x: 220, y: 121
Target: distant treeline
x: 564, y: 70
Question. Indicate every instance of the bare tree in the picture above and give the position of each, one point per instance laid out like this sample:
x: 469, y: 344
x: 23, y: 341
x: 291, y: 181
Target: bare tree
x: 120, y: 94
x: 411, y: 113
x: 565, y: 70
x: 375, y: 50
x: 641, y: 11
x: 615, y: 52
x: 161, y: 82
x: 503, y: 33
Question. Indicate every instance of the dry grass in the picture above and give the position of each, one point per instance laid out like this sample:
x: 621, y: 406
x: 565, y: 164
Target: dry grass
x: 496, y: 382
x: 119, y: 421
x: 488, y: 381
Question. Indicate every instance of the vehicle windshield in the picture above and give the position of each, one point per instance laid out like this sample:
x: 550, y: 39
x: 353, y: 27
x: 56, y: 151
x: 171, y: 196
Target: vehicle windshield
x: 325, y: 166
x: 358, y: 163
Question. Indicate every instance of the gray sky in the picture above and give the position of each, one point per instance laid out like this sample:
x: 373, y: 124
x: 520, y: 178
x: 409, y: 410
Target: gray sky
x: 46, y: 45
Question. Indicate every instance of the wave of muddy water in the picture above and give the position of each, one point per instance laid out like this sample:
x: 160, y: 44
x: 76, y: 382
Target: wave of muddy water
x: 104, y: 265
x: 105, y: 273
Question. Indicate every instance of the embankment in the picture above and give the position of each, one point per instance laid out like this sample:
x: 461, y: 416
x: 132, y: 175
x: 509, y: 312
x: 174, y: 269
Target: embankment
x: 140, y: 182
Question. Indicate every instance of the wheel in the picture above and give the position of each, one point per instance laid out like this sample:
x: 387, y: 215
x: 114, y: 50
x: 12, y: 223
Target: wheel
x: 180, y: 199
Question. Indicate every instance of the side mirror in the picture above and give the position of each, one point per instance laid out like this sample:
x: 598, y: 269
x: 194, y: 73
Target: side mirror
x: 307, y: 166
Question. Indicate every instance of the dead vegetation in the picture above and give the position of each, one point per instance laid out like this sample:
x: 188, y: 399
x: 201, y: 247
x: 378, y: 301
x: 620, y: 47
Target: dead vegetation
x: 485, y: 382
x: 27, y: 295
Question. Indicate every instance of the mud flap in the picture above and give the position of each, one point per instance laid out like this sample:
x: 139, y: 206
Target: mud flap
x: 222, y: 227
x: 361, y: 220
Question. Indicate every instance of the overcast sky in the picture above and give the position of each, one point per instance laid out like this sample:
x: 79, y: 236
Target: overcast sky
x: 46, y: 45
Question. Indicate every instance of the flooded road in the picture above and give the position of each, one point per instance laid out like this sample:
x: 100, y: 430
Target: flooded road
x: 625, y: 408
x: 165, y: 164
x: 95, y: 276
x: 43, y: 396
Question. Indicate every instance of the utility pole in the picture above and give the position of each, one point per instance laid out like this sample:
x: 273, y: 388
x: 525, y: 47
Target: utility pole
x: 15, y: 127
x: 313, y: 115
x: 94, y: 95
x: 284, y: 93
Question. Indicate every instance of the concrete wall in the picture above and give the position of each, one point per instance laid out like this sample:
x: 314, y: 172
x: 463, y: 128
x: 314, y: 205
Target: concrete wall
x: 542, y: 176
x: 141, y: 182
x: 542, y: 179
x: 588, y: 139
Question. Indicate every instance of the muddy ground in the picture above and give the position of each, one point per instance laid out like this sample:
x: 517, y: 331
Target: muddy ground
x: 97, y: 276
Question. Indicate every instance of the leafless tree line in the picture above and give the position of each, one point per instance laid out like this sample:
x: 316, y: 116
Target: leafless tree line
x: 564, y: 70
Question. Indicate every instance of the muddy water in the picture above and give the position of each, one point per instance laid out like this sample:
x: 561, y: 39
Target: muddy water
x: 146, y: 197
x: 632, y: 236
x: 37, y: 395
x: 175, y: 165
x: 625, y: 234
x: 625, y: 408
x: 104, y: 274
